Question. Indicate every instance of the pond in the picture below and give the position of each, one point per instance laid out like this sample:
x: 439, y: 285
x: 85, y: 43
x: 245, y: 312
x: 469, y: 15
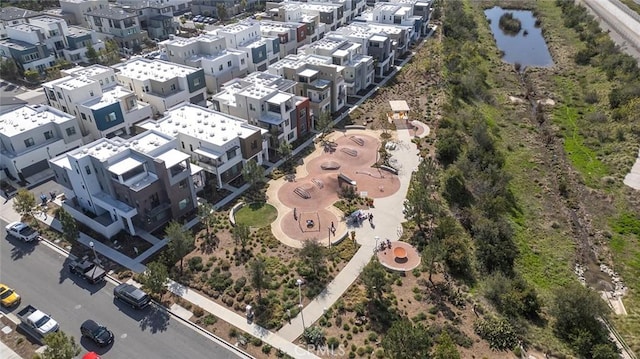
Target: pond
x: 526, y: 46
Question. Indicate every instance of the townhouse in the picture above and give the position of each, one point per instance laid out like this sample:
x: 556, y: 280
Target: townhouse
x: 30, y: 136
x: 398, y: 14
x: 209, y: 52
x: 375, y: 44
x: 291, y: 35
x: 292, y: 13
x: 74, y: 10
x: 11, y: 15
x: 284, y: 116
x: 115, y: 185
x: 210, y: 7
x: 358, y: 68
x: 122, y: 26
x: 162, y: 84
x: 261, y: 51
x: 156, y: 17
x: 219, y: 143
x: 317, y: 79
x: 92, y: 95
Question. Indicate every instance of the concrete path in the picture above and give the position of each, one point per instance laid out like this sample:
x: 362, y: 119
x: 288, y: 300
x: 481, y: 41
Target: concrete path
x: 8, y: 353
x: 388, y: 216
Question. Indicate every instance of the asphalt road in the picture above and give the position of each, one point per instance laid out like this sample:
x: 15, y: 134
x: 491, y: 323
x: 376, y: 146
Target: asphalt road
x: 623, y: 23
x: 38, y: 274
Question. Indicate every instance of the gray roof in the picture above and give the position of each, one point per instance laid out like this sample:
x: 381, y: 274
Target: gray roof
x: 11, y: 13
x: 111, y: 13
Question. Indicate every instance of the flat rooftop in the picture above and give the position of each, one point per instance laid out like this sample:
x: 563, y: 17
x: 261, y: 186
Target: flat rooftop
x: 17, y: 44
x: 89, y: 71
x: 144, y: 69
x: 257, y: 92
x: 78, y: 31
x: 13, y: 13
x: 112, y: 13
x: 108, y: 97
x: 29, y: 118
x: 76, y: 82
x: 212, y: 127
x: 182, y: 41
x: 46, y: 19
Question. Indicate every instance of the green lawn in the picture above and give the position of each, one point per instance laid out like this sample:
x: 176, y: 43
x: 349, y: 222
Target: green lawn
x: 257, y: 215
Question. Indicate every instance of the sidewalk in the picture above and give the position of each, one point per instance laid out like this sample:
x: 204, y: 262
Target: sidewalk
x: 8, y: 353
x: 388, y: 213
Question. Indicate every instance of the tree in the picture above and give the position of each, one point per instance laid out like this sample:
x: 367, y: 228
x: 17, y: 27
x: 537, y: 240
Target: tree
x: 252, y: 173
x: 32, y: 75
x: 207, y: 216
x: 8, y: 69
x: 420, y: 206
x: 243, y: 5
x: 60, y: 346
x: 155, y: 277
x: 24, y: 202
x: 324, y: 123
x: 313, y: 254
x: 405, y: 340
x: 222, y: 12
x: 577, y: 310
x: 111, y: 53
x: 70, y: 230
x: 433, y: 252
x: 241, y: 234
x: 180, y: 241
x: 445, y: 348
x: 92, y: 55
x: 285, y: 149
x: 258, y: 275
x: 374, y: 278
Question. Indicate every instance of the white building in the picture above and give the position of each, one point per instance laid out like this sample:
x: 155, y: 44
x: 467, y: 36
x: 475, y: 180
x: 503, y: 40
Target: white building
x: 32, y: 135
x: 375, y: 44
x: 217, y: 142
x: 209, y: 52
x: 162, y: 84
x: 75, y: 9
x: 14, y: 16
x: 92, y: 95
x: 245, y: 36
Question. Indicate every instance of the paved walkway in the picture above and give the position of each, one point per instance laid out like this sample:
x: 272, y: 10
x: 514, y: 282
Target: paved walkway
x: 388, y: 216
x: 8, y: 353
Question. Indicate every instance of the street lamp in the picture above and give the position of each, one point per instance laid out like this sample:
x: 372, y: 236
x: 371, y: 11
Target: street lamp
x: 329, y: 236
x: 376, y: 248
x: 299, y: 282
x: 94, y: 250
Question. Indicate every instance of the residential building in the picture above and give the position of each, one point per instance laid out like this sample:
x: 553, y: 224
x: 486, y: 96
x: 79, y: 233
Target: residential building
x: 261, y: 51
x: 210, y: 7
x: 75, y: 10
x: 120, y: 25
x: 331, y: 14
x: 375, y: 44
x: 14, y: 16
x: 317, y: 79
x: 92, y: 95
x: 399, y: 14
x: 283, y: 115
x: 114, y: 185
x: 162, y: 84
x: 178, y: 6
x: 156, y: 17
x: 292, y: 13
x: 358, y: 68
x: 26, y: 55
x: 291, y: 35
x: 30, y: 136
x: 217, y: 142
x: 209, y: 52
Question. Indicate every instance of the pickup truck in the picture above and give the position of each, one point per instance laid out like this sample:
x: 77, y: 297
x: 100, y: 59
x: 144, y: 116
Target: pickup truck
x: 37, y: 323
x: 22, y: 231
x: 91, y: 271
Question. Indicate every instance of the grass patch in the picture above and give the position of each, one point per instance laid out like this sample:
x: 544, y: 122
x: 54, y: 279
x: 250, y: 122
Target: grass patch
x: 627, y: 223
x: 257, y: 214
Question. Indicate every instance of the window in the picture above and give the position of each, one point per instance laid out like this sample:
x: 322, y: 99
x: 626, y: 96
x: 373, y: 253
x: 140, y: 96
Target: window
x: 231, y: 153
x: 221, y: 67
x: 254, y: 145
x: 183, y: 203
x: 29, y: 142
x: 146, y: 88
x: 242, y: 61
x: 110, y: 117
x: 113, y: 79
x: 290, y: 136
x: 48, y: 135
x: 251, y: 107
x: 91, y: 93
x: 183, y: 184
x: 196, y: 81
x: 101, y: 82
x: 59, y: 95
x: 228, y: 63
x: 87, y: 169
x: 71, y: 131
x: 64, y: 109
x: 173, y: 87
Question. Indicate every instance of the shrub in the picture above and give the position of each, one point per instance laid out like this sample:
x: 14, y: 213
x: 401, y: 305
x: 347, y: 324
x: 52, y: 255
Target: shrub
x: 266, y: 348
x: 197, y: 311
x: 314, y: 335
x: 333, y: 343
x: 497, y: 332
x: 256, y: 341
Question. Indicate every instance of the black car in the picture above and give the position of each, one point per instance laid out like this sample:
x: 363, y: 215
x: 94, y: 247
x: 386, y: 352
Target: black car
x: 132, y: 295
x: 96, y: 332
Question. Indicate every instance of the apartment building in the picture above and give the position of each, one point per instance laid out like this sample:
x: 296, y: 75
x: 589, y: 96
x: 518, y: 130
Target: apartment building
x: 375, y: 44
x: 291, y: 35
x: 283, y: 115
x: 11, y: 15
x: 399, y: 14
x: 210, y: 7
x: 156, y: 17
x: 352, y: 8
x: 36, y: 57
x: 75, y: 10
x: 292, y: 13
x: 317, y: 79
x: 358, y: 68
x: 219, y: 143
x: 162, y: 84
x: 92, y: 95
x: 30, y: 136
x: 261, y: 51
x: 420, y: 9
x: 179, y: 6
x: 330, y: 14
x: 115, y: 185
x: 122, y: 26
x: 208, y: 52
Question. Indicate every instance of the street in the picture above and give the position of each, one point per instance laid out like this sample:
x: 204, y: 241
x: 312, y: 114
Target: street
x: 40, y: 276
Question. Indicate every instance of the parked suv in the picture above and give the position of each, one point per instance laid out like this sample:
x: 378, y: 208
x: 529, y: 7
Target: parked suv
x: 131, y: 295
x: 96, y: 332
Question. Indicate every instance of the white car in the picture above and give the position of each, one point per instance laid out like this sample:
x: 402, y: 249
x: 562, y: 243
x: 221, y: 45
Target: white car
x: 22, y: 231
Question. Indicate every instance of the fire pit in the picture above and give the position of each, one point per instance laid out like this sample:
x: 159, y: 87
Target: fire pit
x: 400, y: 254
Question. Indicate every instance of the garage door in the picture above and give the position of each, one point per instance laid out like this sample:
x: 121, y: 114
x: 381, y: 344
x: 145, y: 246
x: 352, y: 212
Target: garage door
x: 35, y: 168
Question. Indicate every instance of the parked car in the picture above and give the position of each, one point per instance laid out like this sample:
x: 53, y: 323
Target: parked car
x: 131, y: 295
x: 36, y: 323
x: 96, y: 332
x: 22, y: 231
x: 8, y: 296
x: 88, y: 269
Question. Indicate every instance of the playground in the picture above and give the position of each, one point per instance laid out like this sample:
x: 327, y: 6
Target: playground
x: 305, y: 200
